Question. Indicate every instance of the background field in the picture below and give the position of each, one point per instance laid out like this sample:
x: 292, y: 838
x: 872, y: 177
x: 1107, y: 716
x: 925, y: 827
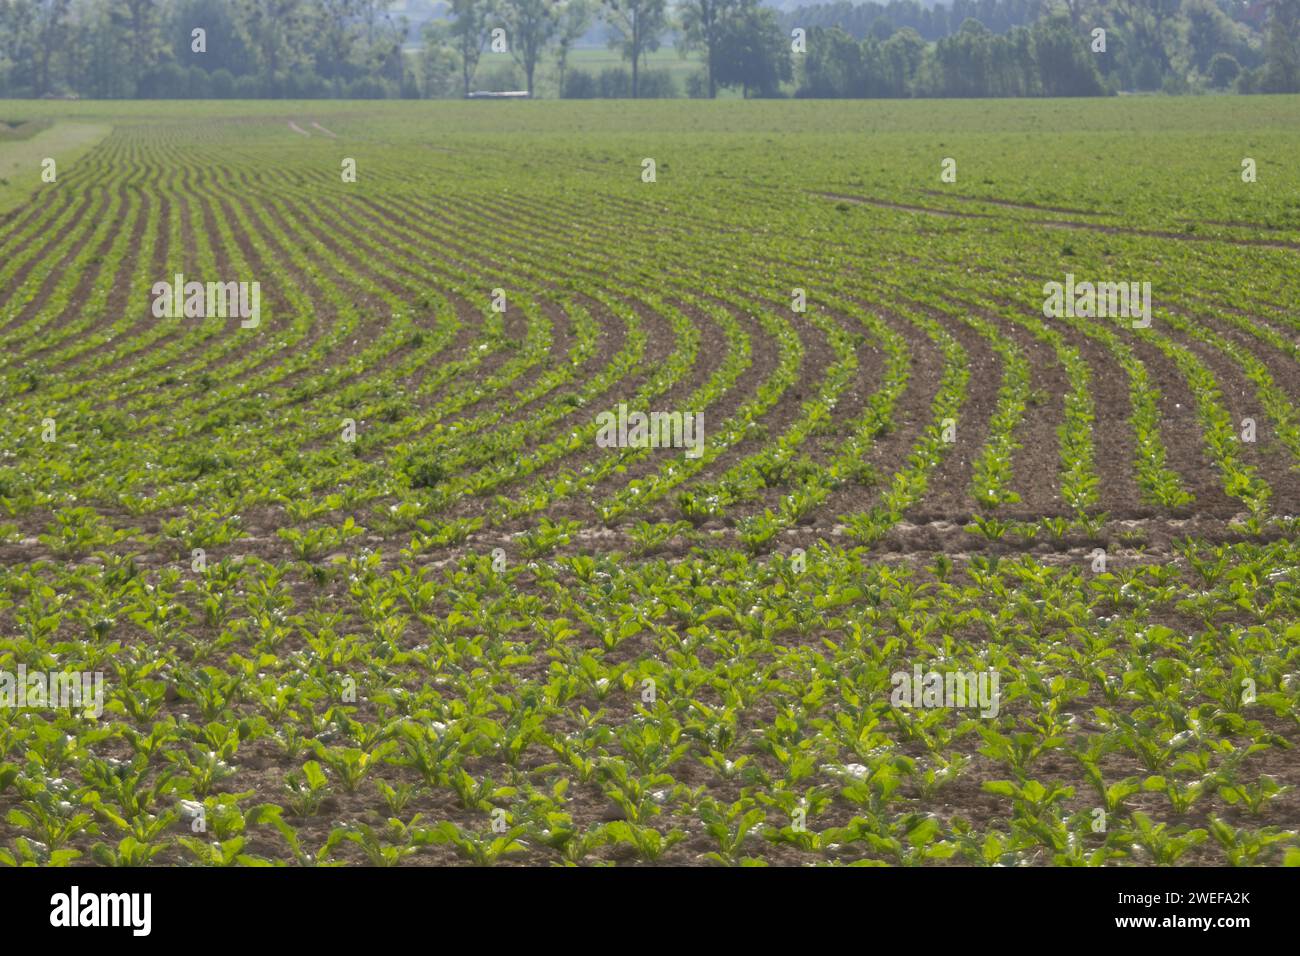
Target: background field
x: 25, y: 145
x: 499, y: 72
x: 474, y: 614
x: 680, y: 67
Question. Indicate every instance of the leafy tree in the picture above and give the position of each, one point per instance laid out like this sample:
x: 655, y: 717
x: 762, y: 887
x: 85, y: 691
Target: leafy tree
x: 530, y: 27
x: 704, y: 23
x: 637, y: 25
x: 575, y: 19
x: 833, y: 65
x: 752, y: 52
x: 1208, y: 31
x: 470, y: 33
x: 139, y: 22
x: 14, y: 40
x: 902, y: 55
x: 275, y: 30
x: 1147, y: 24
x: 225, y: 47
x: 374, y: 17
x: 439, y: 62
x: 384, y: 55
x: 1076, y: 10
x: 97, y: 59
x: 338, y: 35
x: 965, y: 60
x: 1282, y: 49
x: 50, y: 30
x: 1065, y: 65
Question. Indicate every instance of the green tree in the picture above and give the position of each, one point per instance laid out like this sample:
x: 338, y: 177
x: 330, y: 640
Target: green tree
x: 752, y: 51
x: 902, y: 54
x: 97, y: 61
x: 1066, y: 67
x: 439, y: 62
x: 139, y: 23
x: 384, y: 56
x: 833, y: 65
x: 1208, y: 31
x: 1148, y: 28
x: 14, y: 40
x: 374, y: 17
x: 470, y: 33
x: 575, y: 19
x: 530, y: 25
x: 1076, y: 10
x: 275, y: 31
x: 638, y: 26
x: 45, y: 29
x: 226, y: 49
x: 965, y: 61
x: 338, y: 33
x: 704, y: 23
x: 1282, y: 49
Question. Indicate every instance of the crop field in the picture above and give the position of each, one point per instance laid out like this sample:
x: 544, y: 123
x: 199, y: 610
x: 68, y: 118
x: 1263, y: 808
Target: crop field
x: 933, y: 565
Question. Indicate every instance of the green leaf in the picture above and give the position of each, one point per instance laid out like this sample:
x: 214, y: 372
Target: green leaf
x: 1003, y: 788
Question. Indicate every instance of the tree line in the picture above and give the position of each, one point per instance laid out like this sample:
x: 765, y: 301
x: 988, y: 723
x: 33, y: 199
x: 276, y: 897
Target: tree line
x: 739, y: 41
x: 930, y: 23
x: 1175, y: 46
x: 359, y: 49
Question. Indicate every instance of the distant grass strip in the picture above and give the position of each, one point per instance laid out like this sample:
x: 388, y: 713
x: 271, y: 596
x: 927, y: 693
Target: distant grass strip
x: 20, y: 158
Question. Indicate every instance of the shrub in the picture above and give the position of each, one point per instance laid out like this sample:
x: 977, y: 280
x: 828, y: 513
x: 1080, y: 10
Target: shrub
x: 657, y: 85
x: 368, y: 88
x: 247, y: 88
x: 615, y: 83
x: 200, y: 84
x: 579, y: 85
x: 222, y: 84
x: 499, y: 79
x: 306, y: 85
x: 167, y: 82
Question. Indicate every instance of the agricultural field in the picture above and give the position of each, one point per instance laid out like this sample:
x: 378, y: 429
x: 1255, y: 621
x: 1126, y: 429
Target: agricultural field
x: 362, y: 573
